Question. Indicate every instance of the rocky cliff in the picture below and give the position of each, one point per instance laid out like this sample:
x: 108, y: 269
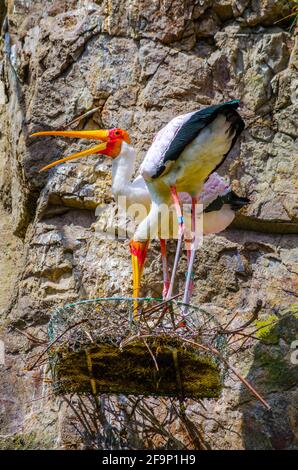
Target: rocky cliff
x: 141, y: 62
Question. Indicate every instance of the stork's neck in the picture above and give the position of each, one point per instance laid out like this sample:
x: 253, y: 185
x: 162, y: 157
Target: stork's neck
x: 122, y: 170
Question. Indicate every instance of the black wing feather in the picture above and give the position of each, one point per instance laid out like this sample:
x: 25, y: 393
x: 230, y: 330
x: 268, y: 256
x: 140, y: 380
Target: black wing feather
x: 198, y: 121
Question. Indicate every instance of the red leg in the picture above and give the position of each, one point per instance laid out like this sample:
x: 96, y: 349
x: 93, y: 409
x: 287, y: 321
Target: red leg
x: 180, y: 237
x: 165, y: 267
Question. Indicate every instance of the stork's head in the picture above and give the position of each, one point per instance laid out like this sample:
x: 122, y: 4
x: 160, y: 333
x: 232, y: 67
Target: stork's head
x: 112, y: 140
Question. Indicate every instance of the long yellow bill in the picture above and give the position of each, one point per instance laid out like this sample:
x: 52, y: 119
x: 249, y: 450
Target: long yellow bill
x: 84, y: 153
x: 100, y: 134
x: 138, y: 256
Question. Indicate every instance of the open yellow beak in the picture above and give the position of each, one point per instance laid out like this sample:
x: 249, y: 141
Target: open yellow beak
x: 138, y: 256
x: 102, y: 135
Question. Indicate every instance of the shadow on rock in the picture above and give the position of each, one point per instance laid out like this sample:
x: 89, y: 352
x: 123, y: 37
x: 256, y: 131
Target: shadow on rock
x: 274, y: 375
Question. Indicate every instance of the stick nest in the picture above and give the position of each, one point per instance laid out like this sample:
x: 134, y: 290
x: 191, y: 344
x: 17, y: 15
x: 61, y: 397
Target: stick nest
x: 99, y: 347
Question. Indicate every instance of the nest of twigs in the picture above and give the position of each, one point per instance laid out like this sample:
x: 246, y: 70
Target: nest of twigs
x: 99, y: 346
x: 128, y: 382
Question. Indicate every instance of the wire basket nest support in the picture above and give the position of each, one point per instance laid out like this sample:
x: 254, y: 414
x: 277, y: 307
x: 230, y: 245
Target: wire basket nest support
x: 97, y: 346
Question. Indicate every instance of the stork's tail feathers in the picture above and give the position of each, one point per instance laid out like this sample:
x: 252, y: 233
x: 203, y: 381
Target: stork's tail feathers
x: 236, y: 201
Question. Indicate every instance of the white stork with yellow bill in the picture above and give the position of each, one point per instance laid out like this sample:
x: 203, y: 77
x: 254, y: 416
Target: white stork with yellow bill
x: 183, y: 155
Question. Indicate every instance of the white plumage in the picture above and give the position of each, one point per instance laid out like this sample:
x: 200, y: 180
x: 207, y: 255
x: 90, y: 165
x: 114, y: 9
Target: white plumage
x: 195, y: 163
x: 186, y: 151
x: 160, y: 145
x: 181, y: 158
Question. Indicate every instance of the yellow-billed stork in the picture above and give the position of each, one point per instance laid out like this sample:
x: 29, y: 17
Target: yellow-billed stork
x: 184, y: 153
x: 181, y: 157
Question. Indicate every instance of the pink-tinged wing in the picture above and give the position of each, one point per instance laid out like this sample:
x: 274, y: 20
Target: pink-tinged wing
x: 184, y: 198
x: 155, y: 156
x: 180, y: 132
x: 215, y: 186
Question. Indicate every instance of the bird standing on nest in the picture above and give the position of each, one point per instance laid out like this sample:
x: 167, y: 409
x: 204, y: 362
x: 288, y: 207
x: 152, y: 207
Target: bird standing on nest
x: 182, y: 156
x: 184, y: 153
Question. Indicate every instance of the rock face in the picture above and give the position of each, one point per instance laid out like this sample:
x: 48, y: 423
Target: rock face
x: 141, y: 63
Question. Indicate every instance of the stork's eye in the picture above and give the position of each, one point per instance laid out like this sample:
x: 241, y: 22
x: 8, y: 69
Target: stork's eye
x: 117, y: 133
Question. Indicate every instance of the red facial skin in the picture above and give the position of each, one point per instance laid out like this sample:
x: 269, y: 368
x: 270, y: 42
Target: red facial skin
x: 114, y: 142
x: 119, y: 134
x: 113, y: 148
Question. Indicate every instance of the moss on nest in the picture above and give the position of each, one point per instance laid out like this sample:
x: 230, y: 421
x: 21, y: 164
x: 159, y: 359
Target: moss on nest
x: 98, y: 347
x: 104, y: 368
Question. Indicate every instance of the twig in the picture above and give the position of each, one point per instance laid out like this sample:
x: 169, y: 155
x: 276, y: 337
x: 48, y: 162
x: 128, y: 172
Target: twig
x: 240, y: 377
x: 274, y: 322
x: 89, y: 335
x: 246, y: 335
x: 241, y: 346
x: 286, y: 17
x: 151, y: 354
x: 193, y: 431
x: 87, y: 411
x: 230, y: 321
x: 85, y: 417
x: 158, y: 307
x: 40, y: 398
x: 164, y: 312
x: 55, y: 341
x: 255, y: 314
x: 79, y: 118
x: 78, y: 431
x: 86, y: 428
x: 30, y: 337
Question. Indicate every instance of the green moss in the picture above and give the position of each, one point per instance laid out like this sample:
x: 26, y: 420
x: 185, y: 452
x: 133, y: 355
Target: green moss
x: 278, y: 373
x: 132, y: 370
x: 30, y: 441
x: 266, y: 330
x: 293, y: 309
